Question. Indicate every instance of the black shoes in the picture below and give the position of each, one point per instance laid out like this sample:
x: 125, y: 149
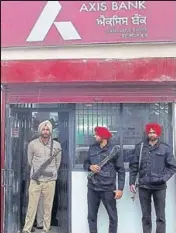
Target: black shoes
x: 39, y: 227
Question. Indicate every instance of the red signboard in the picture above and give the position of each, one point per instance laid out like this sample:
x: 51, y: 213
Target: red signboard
x: 58, y: 23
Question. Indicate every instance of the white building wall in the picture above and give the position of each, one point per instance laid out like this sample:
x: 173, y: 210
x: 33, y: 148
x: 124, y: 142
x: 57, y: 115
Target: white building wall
x: 129, y: 212
x: 121, y: 51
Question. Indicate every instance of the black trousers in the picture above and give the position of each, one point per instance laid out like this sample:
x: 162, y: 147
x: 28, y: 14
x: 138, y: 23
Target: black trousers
x: 94, y: 198
x: 159, y: 197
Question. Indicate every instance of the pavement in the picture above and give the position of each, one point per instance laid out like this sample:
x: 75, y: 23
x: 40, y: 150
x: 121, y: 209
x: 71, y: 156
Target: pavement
x: 53, y: 230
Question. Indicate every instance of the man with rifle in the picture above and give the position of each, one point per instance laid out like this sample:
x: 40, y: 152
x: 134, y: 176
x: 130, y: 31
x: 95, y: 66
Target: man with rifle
x: 152, y: 166
x: 44, y: 157
x: 103, y: 161
x: 39, y: 216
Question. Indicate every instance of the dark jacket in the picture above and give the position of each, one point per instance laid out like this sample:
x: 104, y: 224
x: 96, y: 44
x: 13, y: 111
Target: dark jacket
x: 158, y: 165
x: 105, y: 180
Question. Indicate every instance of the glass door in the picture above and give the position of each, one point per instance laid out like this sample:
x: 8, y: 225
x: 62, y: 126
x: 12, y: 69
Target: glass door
x: 18, y: 125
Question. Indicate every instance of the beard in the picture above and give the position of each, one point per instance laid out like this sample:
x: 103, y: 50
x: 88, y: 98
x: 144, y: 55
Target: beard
x: 153, y: 139
x: 45, y: 136
x: 99, y: 141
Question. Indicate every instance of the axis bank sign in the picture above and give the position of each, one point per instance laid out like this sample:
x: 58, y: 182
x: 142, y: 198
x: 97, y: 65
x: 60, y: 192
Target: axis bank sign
x: 47, y: 19
x: 60, y: 23
x: 66, y: 29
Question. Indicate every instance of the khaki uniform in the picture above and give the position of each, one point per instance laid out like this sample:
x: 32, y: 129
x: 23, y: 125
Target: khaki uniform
x: 38, y: 153
x: 40, y: 211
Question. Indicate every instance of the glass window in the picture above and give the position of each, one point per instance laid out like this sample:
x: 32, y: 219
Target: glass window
x: 88, y: 116
x: 125, y: 121
x: 134, y: 119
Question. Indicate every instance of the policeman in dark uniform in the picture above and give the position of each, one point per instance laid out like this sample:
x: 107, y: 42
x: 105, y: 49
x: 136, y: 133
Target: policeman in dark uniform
x: 158, y: 165
x: 102, y: 187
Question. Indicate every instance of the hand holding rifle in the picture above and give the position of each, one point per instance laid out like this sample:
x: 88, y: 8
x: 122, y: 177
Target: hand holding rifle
x: 134, y: 191
x: 97, y: 167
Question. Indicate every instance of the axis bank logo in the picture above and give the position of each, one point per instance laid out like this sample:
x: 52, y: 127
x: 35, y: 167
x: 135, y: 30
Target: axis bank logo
x: 47, y: 19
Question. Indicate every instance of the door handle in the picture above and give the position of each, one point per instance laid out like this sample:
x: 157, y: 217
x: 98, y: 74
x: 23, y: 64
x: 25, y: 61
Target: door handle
x: 2, y: 177
x: 7, y: 174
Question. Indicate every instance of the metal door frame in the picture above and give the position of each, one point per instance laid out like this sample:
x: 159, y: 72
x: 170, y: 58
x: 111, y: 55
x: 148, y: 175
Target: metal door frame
x: 3, y: 117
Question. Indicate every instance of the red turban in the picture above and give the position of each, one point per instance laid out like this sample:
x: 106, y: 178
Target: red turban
x: 156, y: 127
x: 102, y: 132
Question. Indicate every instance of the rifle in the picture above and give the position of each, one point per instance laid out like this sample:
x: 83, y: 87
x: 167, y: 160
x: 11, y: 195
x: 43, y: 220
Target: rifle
x: 41, y: 170
x: 112, y: 154
x: 137, y: 178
